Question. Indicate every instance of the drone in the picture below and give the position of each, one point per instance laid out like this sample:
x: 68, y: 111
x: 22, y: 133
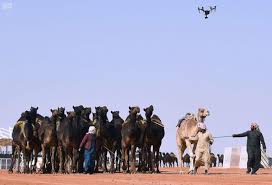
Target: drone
x: 206, y: 12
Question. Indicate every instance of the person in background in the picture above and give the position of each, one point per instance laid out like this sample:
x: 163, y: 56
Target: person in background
x: 88, y: 142
x: 254, y: 138
x: 203, y: 150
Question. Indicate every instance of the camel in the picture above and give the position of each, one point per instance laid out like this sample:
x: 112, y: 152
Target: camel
x: 220, y: 159
x: 186, y: 160
x: 185, y: 133
x: 213, y: 160
x: 130, y: 138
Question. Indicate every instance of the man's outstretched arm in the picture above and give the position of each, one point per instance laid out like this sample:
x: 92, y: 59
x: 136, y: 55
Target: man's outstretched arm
x: 241, y: 135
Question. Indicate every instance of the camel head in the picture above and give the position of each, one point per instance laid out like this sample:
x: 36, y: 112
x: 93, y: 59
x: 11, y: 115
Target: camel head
x: 61, y: 111
x: 115, y: 114
x: 78, y: 109
x: 134, y: 110
x: 87, y: 111
x: 149, y: 111
x: 71, y: 114
x: 54, y: 112
x: 202, y: 114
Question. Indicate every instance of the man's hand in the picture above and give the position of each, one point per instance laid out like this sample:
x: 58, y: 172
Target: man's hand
x: 79, y: 149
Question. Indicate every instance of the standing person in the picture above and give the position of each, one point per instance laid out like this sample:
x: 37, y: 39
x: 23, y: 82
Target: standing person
x: 203, y: 150
x: 254, y: 138
x: 88, y: 142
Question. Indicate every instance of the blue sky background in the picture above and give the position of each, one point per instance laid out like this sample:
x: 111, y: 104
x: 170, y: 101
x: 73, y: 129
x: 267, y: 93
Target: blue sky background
x: 120, y: 53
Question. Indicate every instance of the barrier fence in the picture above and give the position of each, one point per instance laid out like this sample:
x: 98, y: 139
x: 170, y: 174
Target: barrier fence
x: 5, y: 163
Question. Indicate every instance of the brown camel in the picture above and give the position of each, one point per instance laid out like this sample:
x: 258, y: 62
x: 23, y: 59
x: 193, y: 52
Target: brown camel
x: 184, y: 136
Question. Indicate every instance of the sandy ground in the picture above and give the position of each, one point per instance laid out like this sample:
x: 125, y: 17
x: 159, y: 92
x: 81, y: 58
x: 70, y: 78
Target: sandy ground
x: 168, y: 176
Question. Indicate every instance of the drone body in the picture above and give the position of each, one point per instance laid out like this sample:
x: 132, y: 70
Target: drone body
x: 206, y: 12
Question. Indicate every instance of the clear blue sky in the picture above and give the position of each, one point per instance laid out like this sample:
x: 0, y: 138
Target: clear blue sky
x: 120, y: 53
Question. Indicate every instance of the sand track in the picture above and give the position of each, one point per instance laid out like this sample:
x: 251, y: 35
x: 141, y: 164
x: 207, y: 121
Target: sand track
x: 168, y: 176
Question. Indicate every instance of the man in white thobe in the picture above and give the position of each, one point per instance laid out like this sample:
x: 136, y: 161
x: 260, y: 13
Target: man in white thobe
x: 203, y: 151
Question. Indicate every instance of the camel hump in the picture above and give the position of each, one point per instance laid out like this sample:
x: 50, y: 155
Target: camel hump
x: 155, y: 119
x: 188, y: 116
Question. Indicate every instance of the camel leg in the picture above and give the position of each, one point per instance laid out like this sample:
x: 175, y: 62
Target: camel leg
x: 149, y: 158
x: 43, y: 158
x: 53, y: 154
x: 192, y: 155
x: 97, y: 156
x: 118, y: 160
x: 104, y: 153
x: 181, y: 149
x: 36, y: 153
x: 112, y: 155
x: 24, y: 160
x: 19, y: 156
x: 133, y: 158
x: 157, y: 153
x: 61, y: 160
x: 127, y: 159
x: 75, y: 156
x: 13, y: 158
x: 124, y: 167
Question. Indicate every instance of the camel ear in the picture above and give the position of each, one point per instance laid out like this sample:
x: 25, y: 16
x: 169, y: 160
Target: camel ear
x: 111, y: 112
x: 130, y: 107
x: 51, y: 110
x: 144, y: 109
x: 37, y: 108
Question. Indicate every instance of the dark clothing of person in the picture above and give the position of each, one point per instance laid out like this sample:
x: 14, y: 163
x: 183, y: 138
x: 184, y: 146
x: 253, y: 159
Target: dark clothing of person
x: 254, y: 138
x: 87, y: 141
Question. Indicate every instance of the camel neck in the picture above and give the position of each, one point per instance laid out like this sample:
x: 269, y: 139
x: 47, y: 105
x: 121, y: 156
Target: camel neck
x: 201, y: 119
x: 133, y: 117
x: 148, y: 119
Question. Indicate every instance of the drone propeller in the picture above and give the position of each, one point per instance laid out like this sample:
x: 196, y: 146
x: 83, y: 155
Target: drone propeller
x: 201, y: 9
x: 213, y: 8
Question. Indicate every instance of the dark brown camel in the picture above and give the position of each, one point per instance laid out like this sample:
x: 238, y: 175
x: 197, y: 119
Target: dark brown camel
x: 117, y: 122
x: 23, y: 139
x: 48, y: 137
x: 130, y: 135
x: 186, y: 160
x: 103, y: 138
x: 220, y: 159
x: 153, y: 137
x: 213, y: 160
x: 70, y: 134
